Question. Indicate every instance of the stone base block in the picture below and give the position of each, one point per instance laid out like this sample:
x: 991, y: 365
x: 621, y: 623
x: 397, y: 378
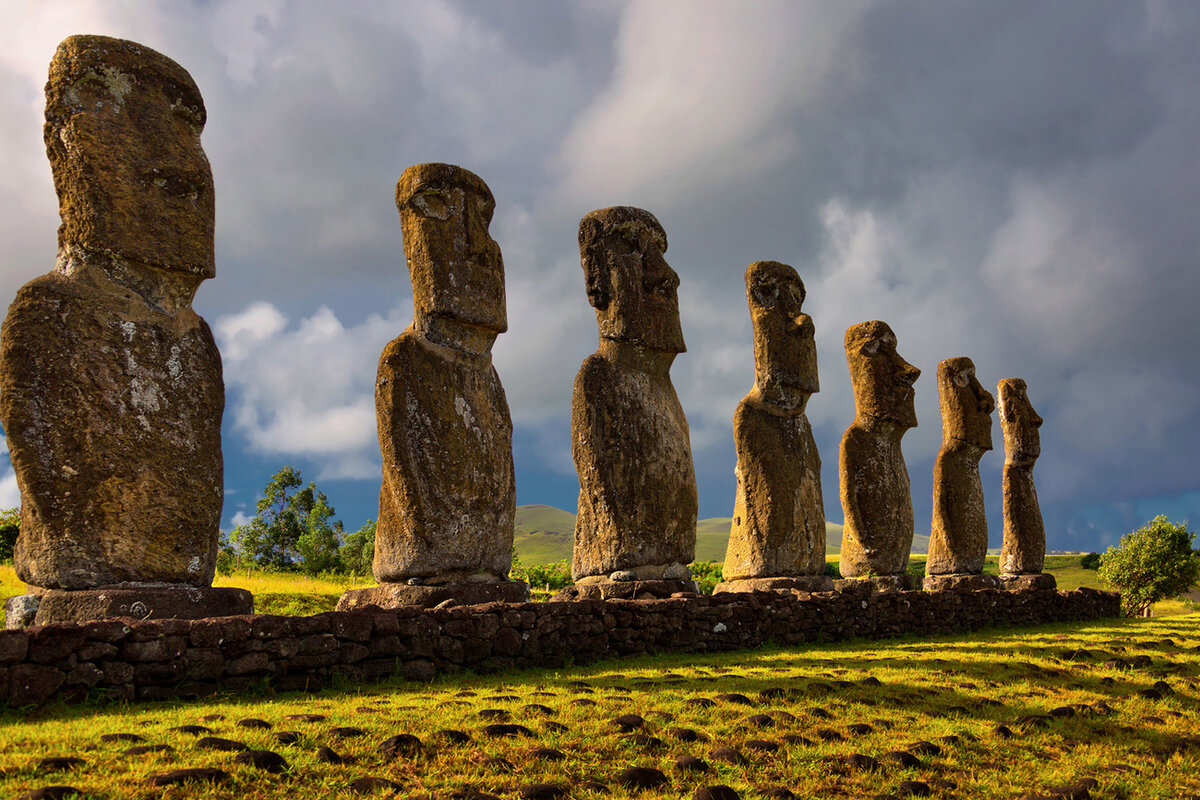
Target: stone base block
x: 140, y: 602
x: 875, y: 583
x: 624, y: 590
x: 398, y: 595
x: 1028, y: 580
x: 960, y: 582
x: 798, y: 583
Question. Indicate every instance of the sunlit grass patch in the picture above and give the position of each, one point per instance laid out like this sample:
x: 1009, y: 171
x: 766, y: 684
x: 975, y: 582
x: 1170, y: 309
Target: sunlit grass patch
x: 1075, y: 706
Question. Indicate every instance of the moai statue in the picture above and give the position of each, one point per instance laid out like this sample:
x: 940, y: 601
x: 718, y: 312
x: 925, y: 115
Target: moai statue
x: 777, y: 539
x: 1023, y: 553
x: 958, y: 539
x: 447, y: 502
x: 876, y: 500
x: 635, y: 532
x: 110, y: 384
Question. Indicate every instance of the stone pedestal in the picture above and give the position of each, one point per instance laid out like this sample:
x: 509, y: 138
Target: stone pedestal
x: 624, y: 590
x: 1031, y: 580
x: 398, y: 595
x: 801, y: 583
x: 877, y: 583
x: 128, y: 600
x: 960, y: 582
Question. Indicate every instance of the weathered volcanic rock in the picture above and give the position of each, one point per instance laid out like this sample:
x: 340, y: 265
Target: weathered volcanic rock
x: 629, y: 435
x: 447, y: 501
x: 875, y: 493
x: 1023, y: 552
x: 778, y: 525
x: 110, y: 384
x: 958, y: 537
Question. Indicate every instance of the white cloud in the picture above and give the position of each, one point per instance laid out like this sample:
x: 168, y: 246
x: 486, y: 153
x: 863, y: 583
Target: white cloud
x: 308, y: 388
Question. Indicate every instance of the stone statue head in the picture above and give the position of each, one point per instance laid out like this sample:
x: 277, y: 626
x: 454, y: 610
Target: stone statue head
x: 629, y: 283
x: 882, y: 380
x: 456, y: 267
x: 1020, y: 423
x: 785, y: 349
x: 122, y: 133
x: 966, y: 406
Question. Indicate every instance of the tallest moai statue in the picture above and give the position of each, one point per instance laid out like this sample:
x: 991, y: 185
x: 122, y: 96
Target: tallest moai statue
x: 110, y: 384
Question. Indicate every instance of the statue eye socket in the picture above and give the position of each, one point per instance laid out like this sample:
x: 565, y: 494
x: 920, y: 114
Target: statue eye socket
x: 431, y: 203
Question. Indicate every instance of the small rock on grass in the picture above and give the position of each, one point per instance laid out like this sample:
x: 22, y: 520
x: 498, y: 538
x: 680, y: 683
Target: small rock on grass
x: 716, y: 792
x: 267, y: 760
x: 51, y: 793
x: 502, y: 729
x: 858, y: 762
x: 402, y: 744
x: 451, y: 735
x: 347, y: 732
x: 594, y: 786
x: 728, y: 755
x: 547, y: 754
x: 686, y: 735
x: 734, y: 697
x: 922, y: 748
x: 778, y: 793
x: 542, y: 791
x: 914, y: 789
x: 224, y: 745
x: 255, y: 723
x: 191, y: 730
x: 146, y: 749
x: 286, y: 737
x: 327, y: 755
x: 901, y: 757
x: 197, y: 775
x: 641, y: 778
x: 691, y: 763
x: 372, y: 784
x: 762, y: 745
x: 109, y: 738
x: 629, y: 722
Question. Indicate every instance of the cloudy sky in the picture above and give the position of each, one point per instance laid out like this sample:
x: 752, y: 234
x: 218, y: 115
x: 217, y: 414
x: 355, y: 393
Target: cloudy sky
x: 1016, y: 182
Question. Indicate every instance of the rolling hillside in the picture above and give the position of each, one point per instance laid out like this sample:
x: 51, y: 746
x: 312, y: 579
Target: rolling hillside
x: 543, y: 534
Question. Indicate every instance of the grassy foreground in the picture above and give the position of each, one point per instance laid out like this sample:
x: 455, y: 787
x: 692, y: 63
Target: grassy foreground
x: 1113, y: 706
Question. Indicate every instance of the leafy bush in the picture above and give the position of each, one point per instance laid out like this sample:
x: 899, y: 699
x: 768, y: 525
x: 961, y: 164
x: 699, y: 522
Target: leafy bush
x: 1090, y: 561
x: 554, y: 576
x: 1155, y: 562
x: 831, y: 570
x: 706, y: 574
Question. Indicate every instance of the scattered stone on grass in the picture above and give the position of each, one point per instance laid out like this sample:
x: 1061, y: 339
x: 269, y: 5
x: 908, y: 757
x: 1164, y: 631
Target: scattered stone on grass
x: 555, y: 727
x: 595, y: 786
x: 629, y: 722
x: 727, y: 754
x: 914, y: 789
x: 923, y: 748
x: 716, y: 792
x: 819, y: 713
x: 734, y: 697
x: 641, y: 778
x: 762, y: 745
x: 372, y: 784
x: 219, y: 743
x: 858, y: 762
x: 583, y: 701
x: 686, y: 735
x: 537, y: 709
x: 691, y: 763
x: 267, y: 760
x: 193, y: 775
x: 700, y: 702
x: 306, y: 717
x: 542, y: 791
x: 256, y: 724
x: 146, y: 749
x: 547, y: 754
x: 286, y: 737
x: 1003, y: 731
x: 402, y: 744
x: 492, y: 762
x: 795, y: 738
x: 191, y: 730
x: 902, y: 757
x: 829, y: 735
x: 494, y: 713
x: 347, y: 732
x: 51, y: 793
x: 760, y: 721
x: 859, y: 728
x: 109, y: 738
x: 451, y: 735
x: 502, y: 729
x: 327, y: 755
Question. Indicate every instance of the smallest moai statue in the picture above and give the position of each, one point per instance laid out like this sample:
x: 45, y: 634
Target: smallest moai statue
x: 959, y: 536
x: 777, y: 538
x: 1023, y: 553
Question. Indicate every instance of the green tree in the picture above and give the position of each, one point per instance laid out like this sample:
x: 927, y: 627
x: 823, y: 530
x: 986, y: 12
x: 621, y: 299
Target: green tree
x: 10, y: 526
x: 358, y: 550
x: 1155, y: 562
x: 292, y: 528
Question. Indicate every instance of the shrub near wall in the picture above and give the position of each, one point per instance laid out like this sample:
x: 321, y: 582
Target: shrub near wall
x: 161, y: 659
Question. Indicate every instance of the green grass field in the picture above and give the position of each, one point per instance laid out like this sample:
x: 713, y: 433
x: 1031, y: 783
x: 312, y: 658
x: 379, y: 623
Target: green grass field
x: 998, y: 714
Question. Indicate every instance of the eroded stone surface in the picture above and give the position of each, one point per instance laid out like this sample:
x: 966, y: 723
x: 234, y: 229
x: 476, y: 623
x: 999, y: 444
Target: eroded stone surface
x: 110, y: 384
x: 393, y: 595
x: 447, y: 501
x: 875, y: 494
x: 142, y: 602
x: 959, y: 535
x: 1024, y: 547
x: 637, y: 495
x: 778, y: 527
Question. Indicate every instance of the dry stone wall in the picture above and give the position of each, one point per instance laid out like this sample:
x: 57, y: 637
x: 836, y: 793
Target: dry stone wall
x: 165, y: 659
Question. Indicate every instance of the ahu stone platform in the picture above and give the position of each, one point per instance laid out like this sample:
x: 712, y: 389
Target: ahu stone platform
x: 170, y: 658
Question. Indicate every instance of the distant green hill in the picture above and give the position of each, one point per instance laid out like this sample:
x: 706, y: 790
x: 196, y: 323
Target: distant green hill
x: 543, y: 534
